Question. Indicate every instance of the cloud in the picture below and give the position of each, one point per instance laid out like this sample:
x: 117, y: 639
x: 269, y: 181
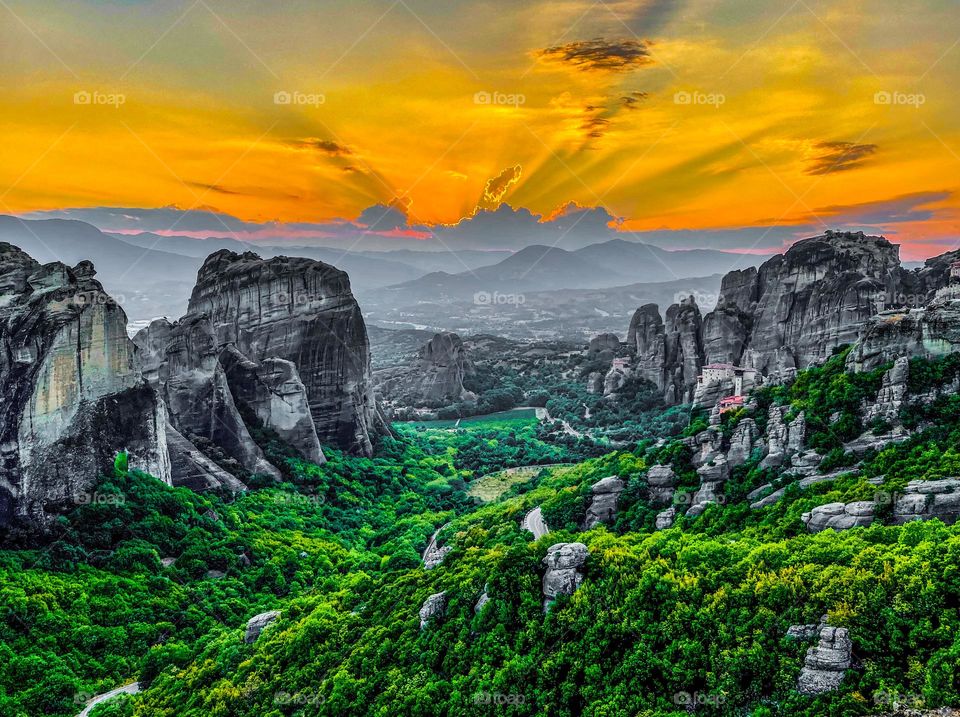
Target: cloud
x: 324, y: 146
x: 382, y: 217
x: 840, y: 157
x: 600, y: 54
x: 912, y: 207
x: 498, y: 186
x: 633, y: 100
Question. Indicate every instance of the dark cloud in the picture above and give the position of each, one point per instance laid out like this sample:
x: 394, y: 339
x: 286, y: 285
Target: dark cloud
x: 595, y: 127
x: 840, y: 157
x: 325, y: 146
x: 600, y: 54
x: 912, y: 207
x: 243, y: 191
x: 497, y: 187
x: 383, y: 217
x: 652, y: 16
x: 632, y: 100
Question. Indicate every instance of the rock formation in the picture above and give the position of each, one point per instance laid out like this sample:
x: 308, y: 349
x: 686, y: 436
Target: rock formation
x: 72, y: 397
x: 563, y: 577
x: 891, y: 395
x: 301, y: 311
x: 804, y: 303
x: 665, y: 518
x: 483, y: 600
x: 712, y: 477
x: 182, y: 361
x: 257, y: 624
x: 661, y: 481
x: 742, y: 442
x: 435, y: 378
x: 929, y: 332
x: 603, y: 502
x: 274, y: 392
x: 826, y: 663
x: 433, y: 607
x: 794, y: 311
x: 926, y: 500
x: 607, y: 344
x: 783, y: 440
x: 840, y: 516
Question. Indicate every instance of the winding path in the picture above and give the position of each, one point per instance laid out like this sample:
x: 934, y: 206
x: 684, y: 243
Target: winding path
x: 533, y: 522
x: 131, y: 689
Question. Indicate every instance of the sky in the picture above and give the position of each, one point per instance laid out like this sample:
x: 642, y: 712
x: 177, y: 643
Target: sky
x: 495, y: 124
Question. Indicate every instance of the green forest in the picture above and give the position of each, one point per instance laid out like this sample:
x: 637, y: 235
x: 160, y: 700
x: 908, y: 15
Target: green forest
x: 155, y: 584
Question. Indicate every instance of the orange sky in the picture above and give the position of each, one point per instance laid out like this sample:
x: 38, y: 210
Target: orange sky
x: 670, y: 114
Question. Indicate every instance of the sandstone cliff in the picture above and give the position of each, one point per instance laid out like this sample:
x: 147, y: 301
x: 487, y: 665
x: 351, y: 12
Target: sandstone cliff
x: 72, y: 397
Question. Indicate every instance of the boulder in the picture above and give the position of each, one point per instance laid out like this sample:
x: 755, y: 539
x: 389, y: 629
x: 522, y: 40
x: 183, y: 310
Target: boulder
x: 595, y: 382
x: 71, y: 395
x: 433, y: 608
x: 563, y: 577
x: 826, y: 663
x: 661, y: 481
x: 603, y: 502
x: 257, y: 624
x: 840, y: 516
x: 665, y: 518
x: 483, y: 600
x: 604, y: 344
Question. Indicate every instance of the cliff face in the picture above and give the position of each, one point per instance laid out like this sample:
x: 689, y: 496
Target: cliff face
x: 301, y: 311
x: 802, y: 304
x: 824, y: 292
x: 72, y: 397
x: 668, y: 353
x: 434, y: 378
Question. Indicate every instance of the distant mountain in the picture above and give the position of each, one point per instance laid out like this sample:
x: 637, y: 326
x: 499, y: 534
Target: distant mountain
x: 542, y: 268
x: 185, y: 246
x: 146, y: 282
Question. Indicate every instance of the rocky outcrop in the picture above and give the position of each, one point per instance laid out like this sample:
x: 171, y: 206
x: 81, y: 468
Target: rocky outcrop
x: 926, y: 500
x: 71, y: 396
x: 712, y: 477
x: 482, y: 600
x: 301, y: 311
x: 742, y: 441
x: 563, y: 577
x: 661, y: 480
x: 603, y: 502
x: 665, y: 518
x: 595, y: 382
x: 646, y: 340
x: 434, y: 553
x: 615, y: 378
x: 257, y: 624
x: 783, y: 440
x: 607, y: 344
x: 840, y: 516
x: 929, y: 332
x: 274, y: 393
x: 182, y: 360
x: 826, y: 663
x: 891, y: 395
x: 190, y: 468
x: 684, y: 351
x: 434, y: 378
x: 804, y: 303
x: 433, y: 608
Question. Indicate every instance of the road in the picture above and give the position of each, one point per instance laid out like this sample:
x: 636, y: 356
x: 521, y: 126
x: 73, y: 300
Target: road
x: 432, y: 545
x: 534, y: 523
x: 131, y: 689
